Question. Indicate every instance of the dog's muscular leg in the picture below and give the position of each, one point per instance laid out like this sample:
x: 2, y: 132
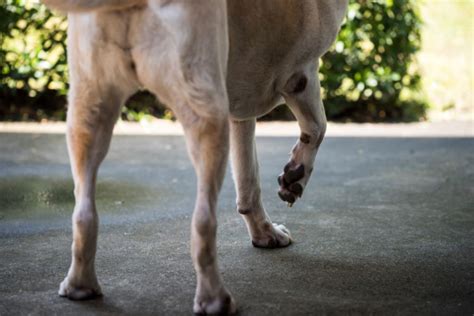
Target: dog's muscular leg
x: 247, y: 184
x: 90, y: 122
x: 198, y: 32
x: 302, y: 94
x: 207, y: 140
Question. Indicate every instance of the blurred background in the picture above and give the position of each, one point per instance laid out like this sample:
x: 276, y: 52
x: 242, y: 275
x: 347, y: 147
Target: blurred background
x: 394, y: 61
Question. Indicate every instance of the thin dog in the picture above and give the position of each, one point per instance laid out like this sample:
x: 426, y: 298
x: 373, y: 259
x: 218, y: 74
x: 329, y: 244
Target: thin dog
x: 218, y: 65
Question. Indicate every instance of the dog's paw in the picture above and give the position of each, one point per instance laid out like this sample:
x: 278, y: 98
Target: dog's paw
x: 272, y: 236
x: 79, y: 292
x: 222, y: 304
x: 291, y: 182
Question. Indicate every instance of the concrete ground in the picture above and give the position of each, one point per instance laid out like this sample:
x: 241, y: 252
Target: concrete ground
x: 386, y: 226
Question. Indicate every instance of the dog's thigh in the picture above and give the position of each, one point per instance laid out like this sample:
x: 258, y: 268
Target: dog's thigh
x: 99, y: 53
x: 184, y: 60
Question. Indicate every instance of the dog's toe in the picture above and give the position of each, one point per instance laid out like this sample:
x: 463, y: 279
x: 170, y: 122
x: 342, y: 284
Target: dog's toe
x: 274, y: 236
x: 79, y: 293
x: 286, y: 195
x: 293, y: 174
x: 291, y: 182
x: 223, y: 304
x: 296, y: 189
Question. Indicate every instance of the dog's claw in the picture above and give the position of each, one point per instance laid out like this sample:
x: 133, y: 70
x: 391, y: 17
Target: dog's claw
x: 281, y: 180
x: 286, y: 196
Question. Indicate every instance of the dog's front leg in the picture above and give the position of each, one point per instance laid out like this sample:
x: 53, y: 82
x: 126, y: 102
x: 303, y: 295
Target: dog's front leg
x: 247, y: 183
x: 302, y: 94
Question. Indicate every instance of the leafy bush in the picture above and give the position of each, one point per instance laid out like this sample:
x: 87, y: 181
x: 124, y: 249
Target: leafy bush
x: 369, y: 74
x: 32, y: 55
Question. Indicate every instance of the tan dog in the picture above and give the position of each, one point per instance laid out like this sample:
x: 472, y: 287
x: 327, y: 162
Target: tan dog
x: 218, y: 65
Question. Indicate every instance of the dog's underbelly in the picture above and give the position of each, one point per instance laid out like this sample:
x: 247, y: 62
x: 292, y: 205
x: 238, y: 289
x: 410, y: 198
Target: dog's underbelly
x: 251, y: 98
x: 270, y: 41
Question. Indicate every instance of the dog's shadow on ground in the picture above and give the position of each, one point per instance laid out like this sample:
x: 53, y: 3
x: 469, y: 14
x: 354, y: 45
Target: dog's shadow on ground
x: 104, y: 304
x: 326, y: 284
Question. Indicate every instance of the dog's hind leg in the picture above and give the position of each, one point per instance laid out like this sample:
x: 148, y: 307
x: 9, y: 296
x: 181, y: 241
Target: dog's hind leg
x: 100, y: 80
x: 302, y: 94
x: 207, y: 141
x: 247, y: 183
x: 90, y: 121
x: 198, y: 40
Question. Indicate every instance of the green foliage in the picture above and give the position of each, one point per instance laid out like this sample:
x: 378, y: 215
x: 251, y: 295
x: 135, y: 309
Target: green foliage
x: 369, y: 74
x: 32, y: 55
x: 143, y: 106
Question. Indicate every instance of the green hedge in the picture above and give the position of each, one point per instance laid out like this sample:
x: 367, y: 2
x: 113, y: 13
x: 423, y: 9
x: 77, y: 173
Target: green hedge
x: 32, y: 55
x: 369, y: 74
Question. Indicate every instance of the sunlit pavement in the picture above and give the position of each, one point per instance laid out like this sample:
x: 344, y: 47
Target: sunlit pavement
x: 385, y: 226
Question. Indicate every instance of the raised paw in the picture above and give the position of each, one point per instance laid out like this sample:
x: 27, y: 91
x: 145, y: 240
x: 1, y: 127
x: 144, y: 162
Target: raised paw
x: 291, y: 186
x: 79, y: 293
x: 272, y: 236
x: 222, y: 304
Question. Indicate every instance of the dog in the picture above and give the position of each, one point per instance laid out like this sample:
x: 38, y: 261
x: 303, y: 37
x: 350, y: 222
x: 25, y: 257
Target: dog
x: 218, y: 65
